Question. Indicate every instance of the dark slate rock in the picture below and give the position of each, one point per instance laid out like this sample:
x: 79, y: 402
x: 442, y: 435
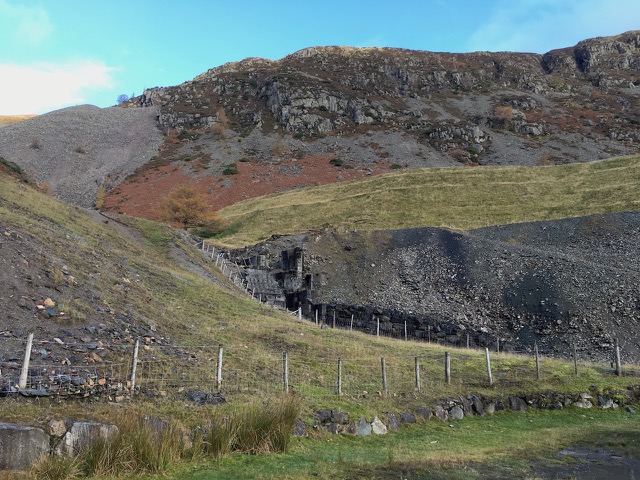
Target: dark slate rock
x: 456, y: 413
x: 205, y: 398
x: 407, y: 418
x: 35, y: 392
x: 425, y: 412
x: 21, y: 446
x: 332, y: 428
x: 516, y: 404
x: 440, y: 413
x: 299, y: 428
x: 338, y: 416
x: 476, y: 405
x: 630, y: 410
x: 467, y: 406
x: 393, y: 421
x: 322, y: 416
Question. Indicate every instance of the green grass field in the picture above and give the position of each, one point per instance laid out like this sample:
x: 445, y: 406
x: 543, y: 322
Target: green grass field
x: 457, y: 198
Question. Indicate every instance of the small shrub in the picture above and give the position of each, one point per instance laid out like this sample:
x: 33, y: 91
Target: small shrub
x: 100, y: 197
x: 336, y: 161
x: 244, y: 160
x: 80, y: 149
x: 395, y: 166
x: 36, y: 144
x: 230, y: 169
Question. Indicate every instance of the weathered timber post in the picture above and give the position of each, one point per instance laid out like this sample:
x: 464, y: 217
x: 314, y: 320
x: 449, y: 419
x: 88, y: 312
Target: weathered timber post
x: 497, y: 345
x: 618, y: 364
x: 22, y: 383
x: 285, y: 371
x: 405, y: 331
x: 134, y: 366
x: 575, y: 359
x: 377, y: 327
x: 384, y: 376
x: 447, y: 367
x: 351, y: 324
x: 467, y: 339
x: 219, y: 371
x: 316, y: 316
x: 535, y: 349
x: 486, y: 352
x: 417, y: 371
x: 333, y: 323
x: 429, y: 333
x: 339, y: 376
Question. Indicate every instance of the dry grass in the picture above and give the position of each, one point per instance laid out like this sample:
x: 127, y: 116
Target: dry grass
x: 459, y: 198
x: 9, y: 119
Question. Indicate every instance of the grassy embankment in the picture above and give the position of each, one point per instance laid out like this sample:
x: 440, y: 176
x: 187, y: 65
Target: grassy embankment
x: 457, y: 198
x: 9, y: 119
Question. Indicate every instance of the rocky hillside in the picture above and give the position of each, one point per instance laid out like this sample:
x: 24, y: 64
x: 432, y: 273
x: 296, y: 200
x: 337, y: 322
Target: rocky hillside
x: 574, y: 281
x: 278, y: 124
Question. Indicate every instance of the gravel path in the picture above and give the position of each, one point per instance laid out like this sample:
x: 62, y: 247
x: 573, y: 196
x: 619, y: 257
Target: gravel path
x: 77, y: 149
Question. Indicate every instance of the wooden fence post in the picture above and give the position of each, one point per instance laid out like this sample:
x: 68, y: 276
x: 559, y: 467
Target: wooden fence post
x: 333, y: 323
x: 219, y: 372
x: 316, y: 316
x: 22, y: 383
x: 339, y: 376
x: 405, y: 331
x: 429, y: 333
x: 447, y: 367
x: 486, y: 351
x: 467, y: 339
x: 134, y: 366
x: 377, y: 327
x: 575, y: 359
x: 384, y: 376
x: 417, y: 370
x: 285, y: 371
x: 618, y: 364
x: 535, y: 349
x: 351, y: 324
x: 497, y: 345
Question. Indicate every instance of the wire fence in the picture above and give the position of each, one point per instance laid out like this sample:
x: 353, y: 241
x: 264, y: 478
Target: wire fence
x: 156, y: 370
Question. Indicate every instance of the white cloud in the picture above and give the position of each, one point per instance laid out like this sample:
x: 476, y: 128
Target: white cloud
x: 543, y: 25
x: 23, y: 24
x: 42, y: 87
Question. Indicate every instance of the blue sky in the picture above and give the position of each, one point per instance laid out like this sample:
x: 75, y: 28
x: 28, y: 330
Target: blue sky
x: 58, y: 53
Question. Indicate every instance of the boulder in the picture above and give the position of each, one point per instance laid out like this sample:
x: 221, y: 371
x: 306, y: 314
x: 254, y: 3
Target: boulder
x: 407, y: 418
x: 456, y: 413
x: 583, y: 403
x: 516, y: 404
x: 362, y: 428
x: 425, y: 412
x: 21, y: 446
x: 440, y: 413
x: 82, y: 434
x: 393, y: 421
x: 377, y: 427
x: 299, y: 428
x: 476, y: 405
x: 340, y: 417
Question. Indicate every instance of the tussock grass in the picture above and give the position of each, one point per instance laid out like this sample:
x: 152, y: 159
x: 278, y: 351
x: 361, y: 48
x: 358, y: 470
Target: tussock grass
x: 9, y: 119
x: 458, y: 198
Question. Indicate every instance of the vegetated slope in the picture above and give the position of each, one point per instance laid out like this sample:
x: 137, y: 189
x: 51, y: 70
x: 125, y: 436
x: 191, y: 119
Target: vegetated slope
x: 9, y: 119
x: 366, y: 109
x: 454, y: 198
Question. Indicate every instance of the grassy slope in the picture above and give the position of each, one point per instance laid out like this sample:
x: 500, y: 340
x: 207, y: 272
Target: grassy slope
x: 9, y: 119
x: 459, y: 198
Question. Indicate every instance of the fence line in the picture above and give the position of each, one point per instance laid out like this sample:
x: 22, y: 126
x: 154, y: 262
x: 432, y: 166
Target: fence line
x: 161, y: 370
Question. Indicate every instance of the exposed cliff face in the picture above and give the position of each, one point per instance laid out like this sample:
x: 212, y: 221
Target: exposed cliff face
x: 576, y: 103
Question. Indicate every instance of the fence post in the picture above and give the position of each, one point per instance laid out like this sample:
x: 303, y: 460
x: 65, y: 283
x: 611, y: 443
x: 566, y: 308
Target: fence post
x: 535, y: 349
x: 377, y: 327
x: 618, y: 364
x: 497, y: 345
x: 429, y: 333
x: 219, y: 372
x: 467, y: 339
x: 299, y: 313
x: 339, y: 376
x: 333, y: 323
x: 486, y: 351
x: 447, y: 367
x: 417, y: 370
x: 405, y: 331
x: 384, y: 376
x: 575, y: 359
x: 351, y: 324
x: 285, y: 371
x: 134, y: 366
x: 316, y: 316
x: 22, y: 384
